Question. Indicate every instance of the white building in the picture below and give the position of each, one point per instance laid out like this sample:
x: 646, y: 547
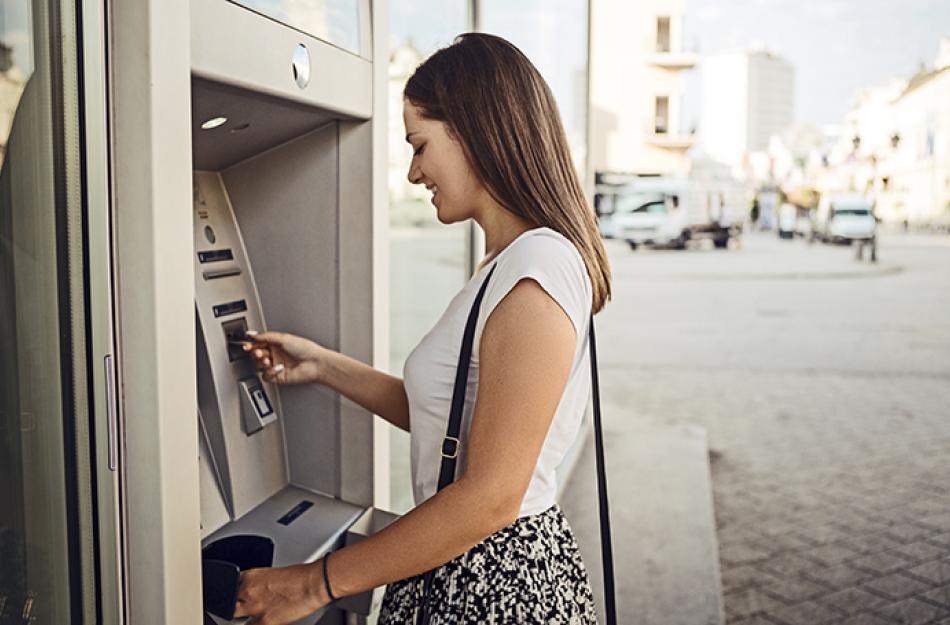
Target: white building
x: 919, y: 172
x: 746, y: 98
x: 637, y: 58
x: 895, y: 147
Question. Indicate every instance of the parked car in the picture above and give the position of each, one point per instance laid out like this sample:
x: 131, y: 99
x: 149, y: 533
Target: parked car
x: 845, y: 218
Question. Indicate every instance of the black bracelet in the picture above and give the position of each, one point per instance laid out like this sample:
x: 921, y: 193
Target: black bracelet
x: 326, y: 580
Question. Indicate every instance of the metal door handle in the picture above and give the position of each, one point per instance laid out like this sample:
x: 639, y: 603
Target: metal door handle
x: 111, y: 413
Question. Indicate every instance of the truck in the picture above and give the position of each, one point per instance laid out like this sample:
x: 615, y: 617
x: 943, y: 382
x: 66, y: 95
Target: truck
x: 672, y: 212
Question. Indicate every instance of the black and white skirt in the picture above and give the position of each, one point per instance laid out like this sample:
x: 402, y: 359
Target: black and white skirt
x: 529, y: 572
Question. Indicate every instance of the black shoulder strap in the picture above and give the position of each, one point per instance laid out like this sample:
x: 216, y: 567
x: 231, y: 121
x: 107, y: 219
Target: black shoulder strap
x: 450, y: 449
x: 450, y: 444
x: 606, y: 544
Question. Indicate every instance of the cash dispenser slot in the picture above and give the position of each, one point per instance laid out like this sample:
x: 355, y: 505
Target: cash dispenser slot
x: 302, y: 526
x: 221, y: 564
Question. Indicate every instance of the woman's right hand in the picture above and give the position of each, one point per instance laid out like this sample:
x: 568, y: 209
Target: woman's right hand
x: 285, y: 358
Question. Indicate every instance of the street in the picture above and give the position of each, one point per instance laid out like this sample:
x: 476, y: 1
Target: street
x: 823, y: 383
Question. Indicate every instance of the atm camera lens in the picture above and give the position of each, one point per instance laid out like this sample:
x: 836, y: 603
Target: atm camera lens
x: 209, y: 234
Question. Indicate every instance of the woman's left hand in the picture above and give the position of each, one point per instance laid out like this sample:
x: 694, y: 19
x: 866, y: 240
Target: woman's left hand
x: 277, y: 596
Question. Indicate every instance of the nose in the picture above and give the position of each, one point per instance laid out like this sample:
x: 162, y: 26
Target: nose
x: 415, y: 174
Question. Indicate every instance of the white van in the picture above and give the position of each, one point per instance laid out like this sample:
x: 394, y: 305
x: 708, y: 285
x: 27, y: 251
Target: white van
x: 845, y: 217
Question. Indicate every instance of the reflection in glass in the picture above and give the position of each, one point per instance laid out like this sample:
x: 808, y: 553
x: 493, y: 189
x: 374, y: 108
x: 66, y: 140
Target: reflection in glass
x: 334, y: 21
x: 427, y: 258
x: 553, y: 35
x: 35, y: 529
x: 16, y: 63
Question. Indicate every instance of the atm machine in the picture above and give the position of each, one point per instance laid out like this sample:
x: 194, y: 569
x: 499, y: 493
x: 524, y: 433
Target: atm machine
x: 282, y: 156
x: 282, y: 131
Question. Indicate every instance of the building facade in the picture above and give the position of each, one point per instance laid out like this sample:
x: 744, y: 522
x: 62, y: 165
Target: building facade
x: 637, y: 60
x: 894, y: 146
x: 746, y: 98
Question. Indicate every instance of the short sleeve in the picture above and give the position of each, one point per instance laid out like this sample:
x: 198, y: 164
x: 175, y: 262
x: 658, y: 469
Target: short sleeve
x: 555, y: 264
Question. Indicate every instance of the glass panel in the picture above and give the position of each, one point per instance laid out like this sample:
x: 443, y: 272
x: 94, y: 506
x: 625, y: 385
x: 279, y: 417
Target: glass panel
x: 39, y: 568
x: 427, y: 258
x: 553, y: 34
x: 334, y: 21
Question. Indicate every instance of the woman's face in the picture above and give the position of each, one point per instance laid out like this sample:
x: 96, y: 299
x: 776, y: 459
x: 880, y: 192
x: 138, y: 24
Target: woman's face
x: 440, y: 164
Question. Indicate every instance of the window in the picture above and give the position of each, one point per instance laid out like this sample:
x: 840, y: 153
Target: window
x: 661, y: 116
x: 42, y: 372
x: 553, y: 35
x: 663, y: 34
x: 428, y: 259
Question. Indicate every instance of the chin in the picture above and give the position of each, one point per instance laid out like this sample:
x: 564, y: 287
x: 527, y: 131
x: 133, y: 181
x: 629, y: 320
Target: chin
x: 448, y: 217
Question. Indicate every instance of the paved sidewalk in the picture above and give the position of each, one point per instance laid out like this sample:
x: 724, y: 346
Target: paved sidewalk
x: 666, y: 564
x: 824, y: 386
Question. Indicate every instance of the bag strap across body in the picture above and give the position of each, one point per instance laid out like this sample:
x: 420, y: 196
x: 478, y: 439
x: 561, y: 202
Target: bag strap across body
x: 451, y: 444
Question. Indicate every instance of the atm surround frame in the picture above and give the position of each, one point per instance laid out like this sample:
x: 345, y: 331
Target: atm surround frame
x: 152, y: 65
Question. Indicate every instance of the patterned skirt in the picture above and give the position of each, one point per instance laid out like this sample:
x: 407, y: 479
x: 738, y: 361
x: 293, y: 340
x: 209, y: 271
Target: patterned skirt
x: 529, y: 572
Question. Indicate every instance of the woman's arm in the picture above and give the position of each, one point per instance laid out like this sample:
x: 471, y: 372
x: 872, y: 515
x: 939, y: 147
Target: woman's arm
x: 524, y: 361
x: 378, y: 392
x: 289, y: 359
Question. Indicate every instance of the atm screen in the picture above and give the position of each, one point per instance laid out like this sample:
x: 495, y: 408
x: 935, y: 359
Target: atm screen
x: 334, y: 21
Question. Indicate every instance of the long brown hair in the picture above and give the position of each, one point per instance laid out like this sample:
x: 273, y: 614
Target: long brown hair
x: 504, y: 115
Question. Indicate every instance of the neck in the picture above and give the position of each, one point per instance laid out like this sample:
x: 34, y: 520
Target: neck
x: 501, y: 227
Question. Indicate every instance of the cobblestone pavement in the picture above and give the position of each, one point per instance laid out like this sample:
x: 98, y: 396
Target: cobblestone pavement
x: 824, y: 385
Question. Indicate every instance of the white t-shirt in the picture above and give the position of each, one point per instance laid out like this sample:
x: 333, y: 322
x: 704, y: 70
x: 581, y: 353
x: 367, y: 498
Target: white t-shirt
x: 429, y: 373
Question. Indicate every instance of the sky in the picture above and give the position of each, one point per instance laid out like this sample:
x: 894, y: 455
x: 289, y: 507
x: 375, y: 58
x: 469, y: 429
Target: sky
x: 838, y: 47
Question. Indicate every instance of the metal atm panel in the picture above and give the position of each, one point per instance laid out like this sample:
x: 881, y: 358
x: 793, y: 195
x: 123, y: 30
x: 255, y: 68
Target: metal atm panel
x: 239, y: 412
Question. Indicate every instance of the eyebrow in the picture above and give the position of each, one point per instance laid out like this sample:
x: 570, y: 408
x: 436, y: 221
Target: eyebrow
x: 409, y: 135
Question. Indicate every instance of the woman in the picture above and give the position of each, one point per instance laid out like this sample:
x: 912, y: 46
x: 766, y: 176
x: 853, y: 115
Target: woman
x: 489, y: 144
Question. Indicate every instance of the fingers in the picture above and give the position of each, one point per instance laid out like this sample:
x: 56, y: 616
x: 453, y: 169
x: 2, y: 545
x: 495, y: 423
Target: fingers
x: 260, y: 350
x: 246, y: 605
x: 240, y: 610
x: 261, y: 353
x: 274, y: 338
x: 273, y: 374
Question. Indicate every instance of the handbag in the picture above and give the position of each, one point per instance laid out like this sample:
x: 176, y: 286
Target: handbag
x: 450, y: 449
